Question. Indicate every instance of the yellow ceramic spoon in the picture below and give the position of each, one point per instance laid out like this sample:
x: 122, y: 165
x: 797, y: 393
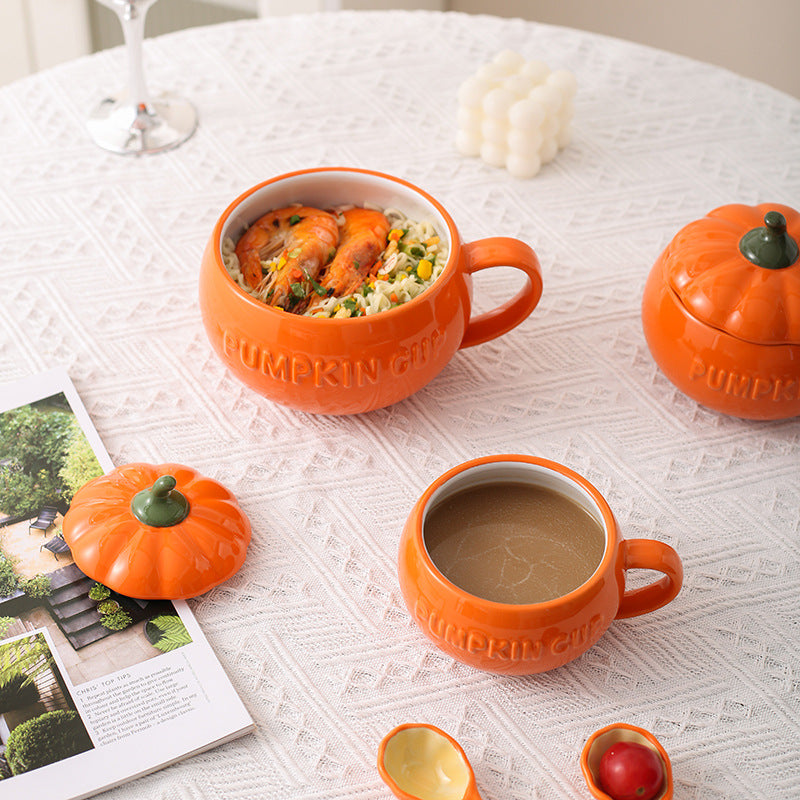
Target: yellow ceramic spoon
x: 421, y: 762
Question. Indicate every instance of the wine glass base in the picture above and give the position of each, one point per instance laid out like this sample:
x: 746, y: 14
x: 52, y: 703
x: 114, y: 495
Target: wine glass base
x: 122, y: 127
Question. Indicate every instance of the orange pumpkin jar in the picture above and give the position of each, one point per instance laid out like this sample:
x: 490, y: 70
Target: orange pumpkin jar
x: 721, y: 311
x: 156, y: 531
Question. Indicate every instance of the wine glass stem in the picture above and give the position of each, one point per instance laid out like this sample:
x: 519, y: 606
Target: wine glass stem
x: 132, y: 18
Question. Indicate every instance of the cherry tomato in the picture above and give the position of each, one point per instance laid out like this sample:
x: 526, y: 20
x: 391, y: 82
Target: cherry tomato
x: 631, y: 771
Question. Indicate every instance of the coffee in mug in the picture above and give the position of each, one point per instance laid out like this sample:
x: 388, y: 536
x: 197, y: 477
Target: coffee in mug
x: 513, y: 542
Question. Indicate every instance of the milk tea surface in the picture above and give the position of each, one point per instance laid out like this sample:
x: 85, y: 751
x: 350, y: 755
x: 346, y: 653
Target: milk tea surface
x: 513, y: 542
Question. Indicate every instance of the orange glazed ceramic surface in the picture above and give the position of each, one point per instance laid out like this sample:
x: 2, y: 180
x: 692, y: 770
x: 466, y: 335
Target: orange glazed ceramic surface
x: 601, y: 740
x: 721, y: 311
x: 156, y: 532
x: 346, y: 366
x: 527, y: 639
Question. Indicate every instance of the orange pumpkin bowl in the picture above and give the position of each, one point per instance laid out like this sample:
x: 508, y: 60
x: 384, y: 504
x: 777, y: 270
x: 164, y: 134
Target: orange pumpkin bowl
x: 418, y: 761
x: 156, y: 532
x: 347, y: 366
x: 601, y: 740
x: 721, y: 311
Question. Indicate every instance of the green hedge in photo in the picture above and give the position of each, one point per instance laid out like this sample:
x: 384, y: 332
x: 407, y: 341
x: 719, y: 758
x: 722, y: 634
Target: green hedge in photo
x: 17, y: 690
x: 108, y: 606
x: 37, y: 587
x: 98, y: 592
x: 80, y: 463
x: 9, y: 580
x: 35, y: 442
x: 116, y: 620
x: 46, y: 739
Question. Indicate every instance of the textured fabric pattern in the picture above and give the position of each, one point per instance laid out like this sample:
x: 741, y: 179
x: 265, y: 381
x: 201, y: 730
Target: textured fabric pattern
x: 99, y: 260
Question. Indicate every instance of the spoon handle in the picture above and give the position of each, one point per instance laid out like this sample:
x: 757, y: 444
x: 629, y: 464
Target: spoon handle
x: 472, y: 792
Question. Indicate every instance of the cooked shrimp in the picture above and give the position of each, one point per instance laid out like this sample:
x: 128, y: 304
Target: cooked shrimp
x: 363, y: 239
x: 303, y: 239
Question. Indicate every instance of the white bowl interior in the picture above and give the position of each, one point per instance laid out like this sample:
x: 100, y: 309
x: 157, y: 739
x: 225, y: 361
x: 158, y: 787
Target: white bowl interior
x: 329, y: 189
x: 516, y: 472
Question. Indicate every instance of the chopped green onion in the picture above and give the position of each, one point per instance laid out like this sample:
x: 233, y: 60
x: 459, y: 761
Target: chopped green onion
x: 317, y: 288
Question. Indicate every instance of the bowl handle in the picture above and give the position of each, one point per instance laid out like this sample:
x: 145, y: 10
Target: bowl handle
x: 500, y: 251
x: 649, y: 554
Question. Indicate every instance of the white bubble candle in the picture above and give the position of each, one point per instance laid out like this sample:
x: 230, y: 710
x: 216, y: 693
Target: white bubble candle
x: 515, y: 113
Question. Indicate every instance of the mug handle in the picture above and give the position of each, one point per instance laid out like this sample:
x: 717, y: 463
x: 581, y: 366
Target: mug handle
x: 500, y: 251
x: 649, y: 554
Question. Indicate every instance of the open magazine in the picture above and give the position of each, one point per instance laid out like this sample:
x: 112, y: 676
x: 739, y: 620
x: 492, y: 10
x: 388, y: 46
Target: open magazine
x: 95, y: 689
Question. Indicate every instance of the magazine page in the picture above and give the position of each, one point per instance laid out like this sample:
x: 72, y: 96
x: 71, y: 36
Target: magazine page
x: 95, y: 688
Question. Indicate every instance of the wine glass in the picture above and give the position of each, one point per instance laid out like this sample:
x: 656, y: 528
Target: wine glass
x: 132, y: 122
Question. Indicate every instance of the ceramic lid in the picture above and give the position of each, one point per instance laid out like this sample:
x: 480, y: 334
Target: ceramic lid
x: 738, y: 270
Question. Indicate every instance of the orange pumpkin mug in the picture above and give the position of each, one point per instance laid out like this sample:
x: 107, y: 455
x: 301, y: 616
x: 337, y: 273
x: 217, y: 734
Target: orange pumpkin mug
x: 347, y: 366
x: 522, y: 639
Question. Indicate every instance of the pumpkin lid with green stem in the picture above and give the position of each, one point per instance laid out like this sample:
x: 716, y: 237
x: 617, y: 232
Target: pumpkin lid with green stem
x: 157, y: 532
x: 738, y: 270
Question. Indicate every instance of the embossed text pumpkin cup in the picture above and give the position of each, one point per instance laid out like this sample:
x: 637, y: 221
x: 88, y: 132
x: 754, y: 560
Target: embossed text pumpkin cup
x: 515, y: 565
x: 721, y: 311
x: 347, y: 366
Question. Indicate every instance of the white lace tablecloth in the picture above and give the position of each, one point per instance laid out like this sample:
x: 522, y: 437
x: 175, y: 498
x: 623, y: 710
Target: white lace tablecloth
x: 99, y: 260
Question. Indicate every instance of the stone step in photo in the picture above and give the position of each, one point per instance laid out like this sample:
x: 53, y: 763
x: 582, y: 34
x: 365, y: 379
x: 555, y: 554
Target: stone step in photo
x: 66, y: 576
x: 88, y: 636
x: 74, y: 606
x: 76, y: 624
x: 69, y: 593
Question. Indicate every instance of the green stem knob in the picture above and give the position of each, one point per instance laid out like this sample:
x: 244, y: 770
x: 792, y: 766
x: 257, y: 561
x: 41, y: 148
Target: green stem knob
x: 161, y: 505
x: 770, y: 247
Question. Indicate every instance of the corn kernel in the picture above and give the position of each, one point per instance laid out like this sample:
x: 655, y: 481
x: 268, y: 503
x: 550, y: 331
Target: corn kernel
x: 424, y: 269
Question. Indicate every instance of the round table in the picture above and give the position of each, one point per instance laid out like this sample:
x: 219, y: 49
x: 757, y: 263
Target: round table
x: 99, y: 266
